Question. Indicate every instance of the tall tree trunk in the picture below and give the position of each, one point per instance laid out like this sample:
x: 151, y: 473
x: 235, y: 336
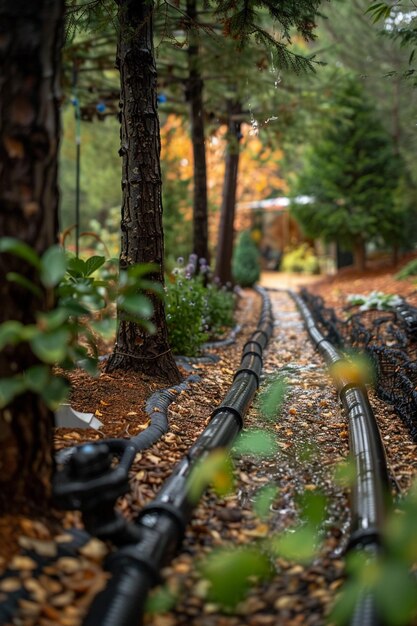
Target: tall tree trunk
x: 359, y: 254
x: 31, y: 38
x: 195, y: 99
x: 223, y: 269
x: 142, y: 233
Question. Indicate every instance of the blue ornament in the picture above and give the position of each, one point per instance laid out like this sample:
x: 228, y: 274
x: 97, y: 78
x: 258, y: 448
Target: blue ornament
x: 162, y: 98
x: 100, y: 107
x: 74, y: 100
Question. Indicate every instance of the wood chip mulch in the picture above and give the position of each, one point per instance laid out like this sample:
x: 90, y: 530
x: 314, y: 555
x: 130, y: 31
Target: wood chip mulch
x: 59, y: 591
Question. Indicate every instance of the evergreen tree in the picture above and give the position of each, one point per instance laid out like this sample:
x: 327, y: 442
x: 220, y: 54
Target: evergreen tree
x: 351, y: 173
x: 142, y: 234
x: 246, y: 267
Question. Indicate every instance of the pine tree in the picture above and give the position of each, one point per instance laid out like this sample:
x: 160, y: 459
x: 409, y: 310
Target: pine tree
x: 142, y: 235
x: 29, y: 121
x: 351, y: 171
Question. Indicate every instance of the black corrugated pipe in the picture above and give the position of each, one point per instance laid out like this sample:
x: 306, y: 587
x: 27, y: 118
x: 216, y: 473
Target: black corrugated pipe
x: 161, y: 524
x: 370, y: 492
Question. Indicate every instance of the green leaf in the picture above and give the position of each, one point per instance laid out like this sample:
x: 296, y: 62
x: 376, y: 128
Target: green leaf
x: 89, y: 364
x: 345, y: 473
x: 298, y: 545
x: 10, y: 333
x: 51, y: 347
x: 28, y: 332
x: 14, y: 277
x: 229, y: 572
x: 9, y: 389
x: 73, y: 308
x: 263, y: 500
x: 37, y: 378
x: 76, y: 267
x: 255, y: 442
x: 396, y: 594
x: 272, y: 399
x: 345, y: 604
x: 161, y: 601
x: 20, y: 249
x: 53, y: 319
x: 55, y: 392
x: 141, y: 269
x: 105, y: 327
x: 53, y: 266
x: 93, y: 263
x: 137, y: 304
x: 312, y: 508
x: 215, y: 469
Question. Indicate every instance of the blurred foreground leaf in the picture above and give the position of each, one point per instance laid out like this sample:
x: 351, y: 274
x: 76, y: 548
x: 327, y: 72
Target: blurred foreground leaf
x: 230, y: 571
x: 215, y: 470
x: 255, y: 442
x: 272, y: 398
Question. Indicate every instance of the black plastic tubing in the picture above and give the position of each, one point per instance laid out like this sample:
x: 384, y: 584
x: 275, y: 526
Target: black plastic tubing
x: 370, y: 492
x: 135, y: 568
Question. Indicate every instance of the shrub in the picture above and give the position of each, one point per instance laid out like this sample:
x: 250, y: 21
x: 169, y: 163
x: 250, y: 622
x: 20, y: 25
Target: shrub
x: 195, y: 311
x: 185, y: 306
x: 245, y: 265
x: 410, y: 269
x: 220, y: 305
x: 185, y: 309
x: 301, y: 259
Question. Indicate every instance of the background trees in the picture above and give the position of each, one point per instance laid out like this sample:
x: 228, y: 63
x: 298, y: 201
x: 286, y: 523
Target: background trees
x: 351, y: 173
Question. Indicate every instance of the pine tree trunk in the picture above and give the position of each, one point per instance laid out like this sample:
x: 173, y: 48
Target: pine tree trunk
x: 29, y: 93
x: 224, y: 254
x: 142, y: 233
x: 195, y: 99
x: 359, y: 254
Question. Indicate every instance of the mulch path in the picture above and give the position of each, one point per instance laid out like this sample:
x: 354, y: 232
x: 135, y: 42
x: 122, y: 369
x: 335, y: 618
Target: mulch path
x: 61, y: 591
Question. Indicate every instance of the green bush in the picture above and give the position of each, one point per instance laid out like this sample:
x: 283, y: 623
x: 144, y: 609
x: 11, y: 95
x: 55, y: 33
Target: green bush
x: 410, y: 269
x: 220, y: 305
x: 195, y: 312
x: 301, y: 259
x: 245, y: 265
x: 185, y: 310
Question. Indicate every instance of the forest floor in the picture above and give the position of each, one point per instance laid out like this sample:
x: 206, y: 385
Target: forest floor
x: 52, y: 587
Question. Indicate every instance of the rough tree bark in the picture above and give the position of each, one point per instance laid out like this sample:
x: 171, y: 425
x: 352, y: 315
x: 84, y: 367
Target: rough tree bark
x: 195, y: 98
x: 142, y: 234
x: 30, y: 43
x: 359, y: 253
x: 223, y: 269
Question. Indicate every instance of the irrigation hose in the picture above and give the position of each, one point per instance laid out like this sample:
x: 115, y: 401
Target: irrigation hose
x: 135, y: 568
x: 370, y: 496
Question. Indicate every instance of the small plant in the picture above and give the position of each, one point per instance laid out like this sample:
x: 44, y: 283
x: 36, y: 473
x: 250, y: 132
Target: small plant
x: 245, y: 265
x: 220, y: 305
x: 64, y: 335
x: 410, y: 269
x: 195, y: 312
x: 301, y: 259
x: 185, y: 308
x: 375, y: 300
